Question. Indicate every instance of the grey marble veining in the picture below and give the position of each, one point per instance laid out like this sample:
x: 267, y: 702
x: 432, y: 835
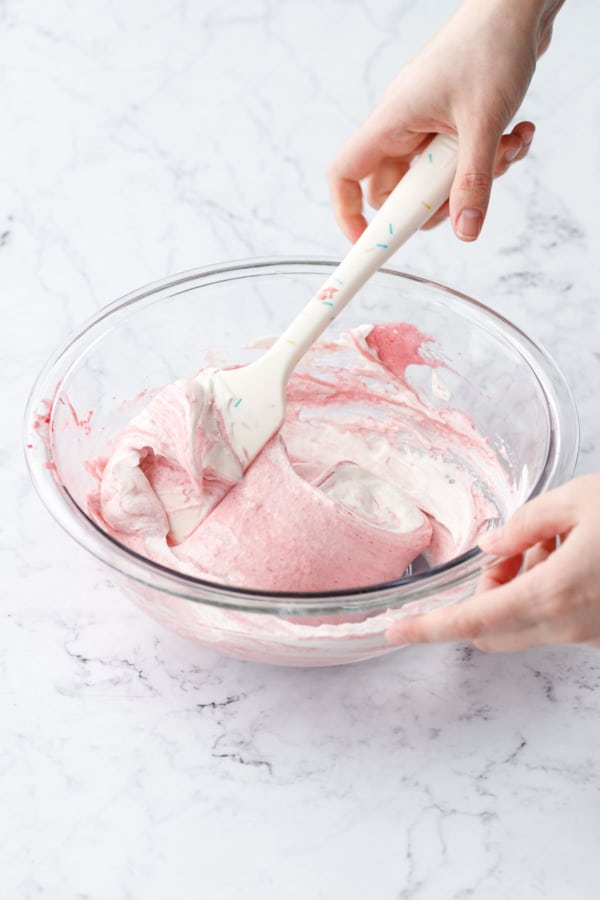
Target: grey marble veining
x: 144, y: 138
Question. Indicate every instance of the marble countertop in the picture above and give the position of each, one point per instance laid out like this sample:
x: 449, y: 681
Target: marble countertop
x: 144, y: 138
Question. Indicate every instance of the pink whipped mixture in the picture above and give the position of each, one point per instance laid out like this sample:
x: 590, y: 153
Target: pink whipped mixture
x: 366, y: 475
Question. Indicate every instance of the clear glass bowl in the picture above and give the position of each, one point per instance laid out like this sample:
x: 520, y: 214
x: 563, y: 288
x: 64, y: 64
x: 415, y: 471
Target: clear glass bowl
x: 93, y: 385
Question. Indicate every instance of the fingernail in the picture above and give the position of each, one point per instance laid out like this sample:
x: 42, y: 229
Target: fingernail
x: 528, y: 137
x: 512, y: 153
x: 469, y: 224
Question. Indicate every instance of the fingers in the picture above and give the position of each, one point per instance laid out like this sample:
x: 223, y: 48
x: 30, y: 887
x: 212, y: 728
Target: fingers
x: 556, y: 601
x: 564, y: 602
x: 384, y: 179
x: 497, y: 609
x: 509, y: 148
x: 540, y: 599
x: 347, y: 201
x: 524, y: 132
x: 470, y: 192
x: 539, y: 553
x: 499, y: 573
x: 513, y: 147
x: 383, y: 156
x: 512, y: 640
x: 358, y: 158
x: 381, y: 151
x: 540, y: 520
x: 482, y: 153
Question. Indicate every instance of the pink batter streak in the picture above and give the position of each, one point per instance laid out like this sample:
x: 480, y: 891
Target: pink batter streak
x: 365, y: 476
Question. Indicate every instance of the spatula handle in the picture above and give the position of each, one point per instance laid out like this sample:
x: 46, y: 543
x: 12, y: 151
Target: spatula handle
x: 416, y: 197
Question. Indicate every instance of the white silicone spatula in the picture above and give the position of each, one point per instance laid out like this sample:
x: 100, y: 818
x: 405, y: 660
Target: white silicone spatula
x: 257, y: 406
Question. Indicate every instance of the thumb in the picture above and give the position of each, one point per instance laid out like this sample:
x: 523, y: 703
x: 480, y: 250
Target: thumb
x: 470, y: 193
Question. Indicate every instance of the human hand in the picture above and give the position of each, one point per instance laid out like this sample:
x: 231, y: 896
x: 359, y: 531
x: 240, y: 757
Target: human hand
x: 556, y: 599
x: 469, y: 81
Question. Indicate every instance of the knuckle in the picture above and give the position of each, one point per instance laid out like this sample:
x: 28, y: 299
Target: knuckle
x: 473, y: 181
x: 557, y: 603
x: 584, y: 592
x: 468, y: 628
x: 393, y: 135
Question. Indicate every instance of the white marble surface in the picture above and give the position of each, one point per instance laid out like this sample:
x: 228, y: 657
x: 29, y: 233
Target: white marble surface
x: 150, y: 136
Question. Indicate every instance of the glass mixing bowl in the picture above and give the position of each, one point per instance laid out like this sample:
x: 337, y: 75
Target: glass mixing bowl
x: 91, y: 388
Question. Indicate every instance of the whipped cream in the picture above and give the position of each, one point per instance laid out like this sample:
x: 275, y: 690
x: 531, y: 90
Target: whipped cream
x: 372, y: 498
x: 364, y: 476
x: 173, y: 463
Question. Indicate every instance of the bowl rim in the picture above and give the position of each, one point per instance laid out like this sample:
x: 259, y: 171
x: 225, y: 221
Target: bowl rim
x: 80, y: 526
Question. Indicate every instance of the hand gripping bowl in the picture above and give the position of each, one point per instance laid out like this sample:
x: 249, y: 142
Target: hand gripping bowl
x: 92, y: 387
